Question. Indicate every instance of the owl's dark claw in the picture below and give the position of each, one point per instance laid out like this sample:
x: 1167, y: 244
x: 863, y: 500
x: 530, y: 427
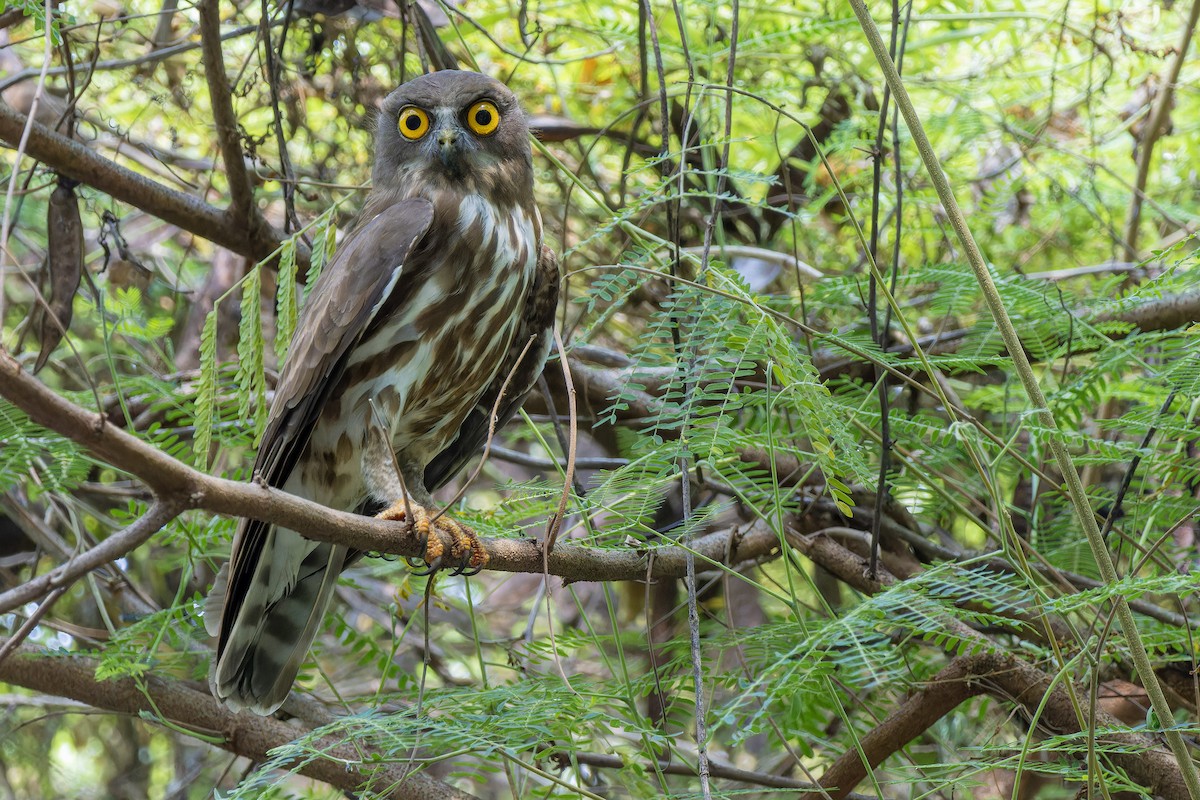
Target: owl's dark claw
x: 418, y: 564
x: 468, y: 570
x: 420, y: 568
x: 467, y: 552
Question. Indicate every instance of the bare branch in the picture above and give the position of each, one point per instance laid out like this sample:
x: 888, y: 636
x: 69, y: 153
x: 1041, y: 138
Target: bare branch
x: 241, y: 190
x: 183, y: 210
x: 175, y: 482
x: 245, y: 734
x: 718, y: 769
x: 116, y: 546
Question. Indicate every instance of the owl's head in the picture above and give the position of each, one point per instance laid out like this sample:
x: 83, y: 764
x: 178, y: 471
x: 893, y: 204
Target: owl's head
x: 452, y: 130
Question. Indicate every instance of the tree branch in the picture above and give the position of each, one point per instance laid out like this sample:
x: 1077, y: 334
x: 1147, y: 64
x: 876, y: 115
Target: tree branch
x: 1000, y: 674
x: 244, y: 734
x: 241, y: 190
x: 175, y: 482
x: 1159, y: 314
x: 1154, y: 129
x: 116, y: 546
x: 74, y: 160
x: 1009, y: 680
x: 718, y: 769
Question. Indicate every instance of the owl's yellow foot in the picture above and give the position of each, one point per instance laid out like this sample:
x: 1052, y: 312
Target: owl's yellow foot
x: 466, y: 552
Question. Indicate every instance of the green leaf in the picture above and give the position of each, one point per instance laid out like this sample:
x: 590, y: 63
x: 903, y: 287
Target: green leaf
x: 250, y: 381
x: 324, y: 243
x: 285, y: 300
x: 206, y: 392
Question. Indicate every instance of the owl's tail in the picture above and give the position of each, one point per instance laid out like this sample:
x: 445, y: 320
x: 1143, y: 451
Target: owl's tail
x: 278, y: 618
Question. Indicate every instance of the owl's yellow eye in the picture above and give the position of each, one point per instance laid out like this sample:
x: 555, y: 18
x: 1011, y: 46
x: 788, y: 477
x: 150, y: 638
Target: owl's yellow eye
x: 483, y: 118
x: 413, y: 123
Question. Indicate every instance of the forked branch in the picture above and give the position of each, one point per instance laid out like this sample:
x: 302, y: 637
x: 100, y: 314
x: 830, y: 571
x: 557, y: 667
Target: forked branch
x: 197, y: 712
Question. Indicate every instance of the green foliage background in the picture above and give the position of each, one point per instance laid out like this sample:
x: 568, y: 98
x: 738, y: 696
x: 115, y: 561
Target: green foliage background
x: 1033, y: 109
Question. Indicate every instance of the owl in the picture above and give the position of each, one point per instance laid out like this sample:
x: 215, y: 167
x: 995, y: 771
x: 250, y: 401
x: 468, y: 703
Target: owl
x: 440, y: 295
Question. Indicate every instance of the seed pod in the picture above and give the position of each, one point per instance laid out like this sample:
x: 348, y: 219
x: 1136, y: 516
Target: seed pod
x: 64, y: 237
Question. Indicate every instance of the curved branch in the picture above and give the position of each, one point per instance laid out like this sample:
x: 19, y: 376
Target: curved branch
x: 74, y: 160
x: 173, y: 481
x: 991, y: 671
x: 1009, y: 680
x: 244, y: 734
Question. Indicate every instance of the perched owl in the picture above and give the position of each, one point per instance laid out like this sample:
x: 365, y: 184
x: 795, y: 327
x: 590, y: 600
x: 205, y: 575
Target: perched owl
x: 441, y: 292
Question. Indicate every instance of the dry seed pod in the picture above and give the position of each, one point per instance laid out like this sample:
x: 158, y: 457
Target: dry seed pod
x: 64, y: 237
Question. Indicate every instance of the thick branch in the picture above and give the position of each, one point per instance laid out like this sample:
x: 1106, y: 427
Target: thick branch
x: 245, y: 734
x: 74, y: 160
x: 174, y: 481
x: 1162, y: 314
x: 1009, y: 680
x: 1143, y: 757
x: 994, y: 672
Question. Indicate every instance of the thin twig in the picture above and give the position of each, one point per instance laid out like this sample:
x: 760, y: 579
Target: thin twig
x: 786, y: 260
x: 118, y: 545
x: 273, y: 60
x: 27, y: 627
x: 717, y: 768
x: 527, y: 460
x: 881, y: 334
x: 703, y: 767
x: 151, y: 57
x: 569, y: 476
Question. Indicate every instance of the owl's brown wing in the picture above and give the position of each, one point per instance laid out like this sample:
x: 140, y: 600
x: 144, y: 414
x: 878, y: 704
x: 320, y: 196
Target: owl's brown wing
x: 537, y: 323
x: 347, y: 295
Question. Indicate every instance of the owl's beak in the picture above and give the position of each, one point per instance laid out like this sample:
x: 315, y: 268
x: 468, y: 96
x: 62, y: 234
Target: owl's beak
x: 448, y: 149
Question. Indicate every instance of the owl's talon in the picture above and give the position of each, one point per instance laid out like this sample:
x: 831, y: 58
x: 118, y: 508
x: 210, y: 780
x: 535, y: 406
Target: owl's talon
x: 467, y: 552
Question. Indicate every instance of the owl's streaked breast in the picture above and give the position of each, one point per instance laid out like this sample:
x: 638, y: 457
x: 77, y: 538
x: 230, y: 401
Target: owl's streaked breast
x: 412, y: 365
